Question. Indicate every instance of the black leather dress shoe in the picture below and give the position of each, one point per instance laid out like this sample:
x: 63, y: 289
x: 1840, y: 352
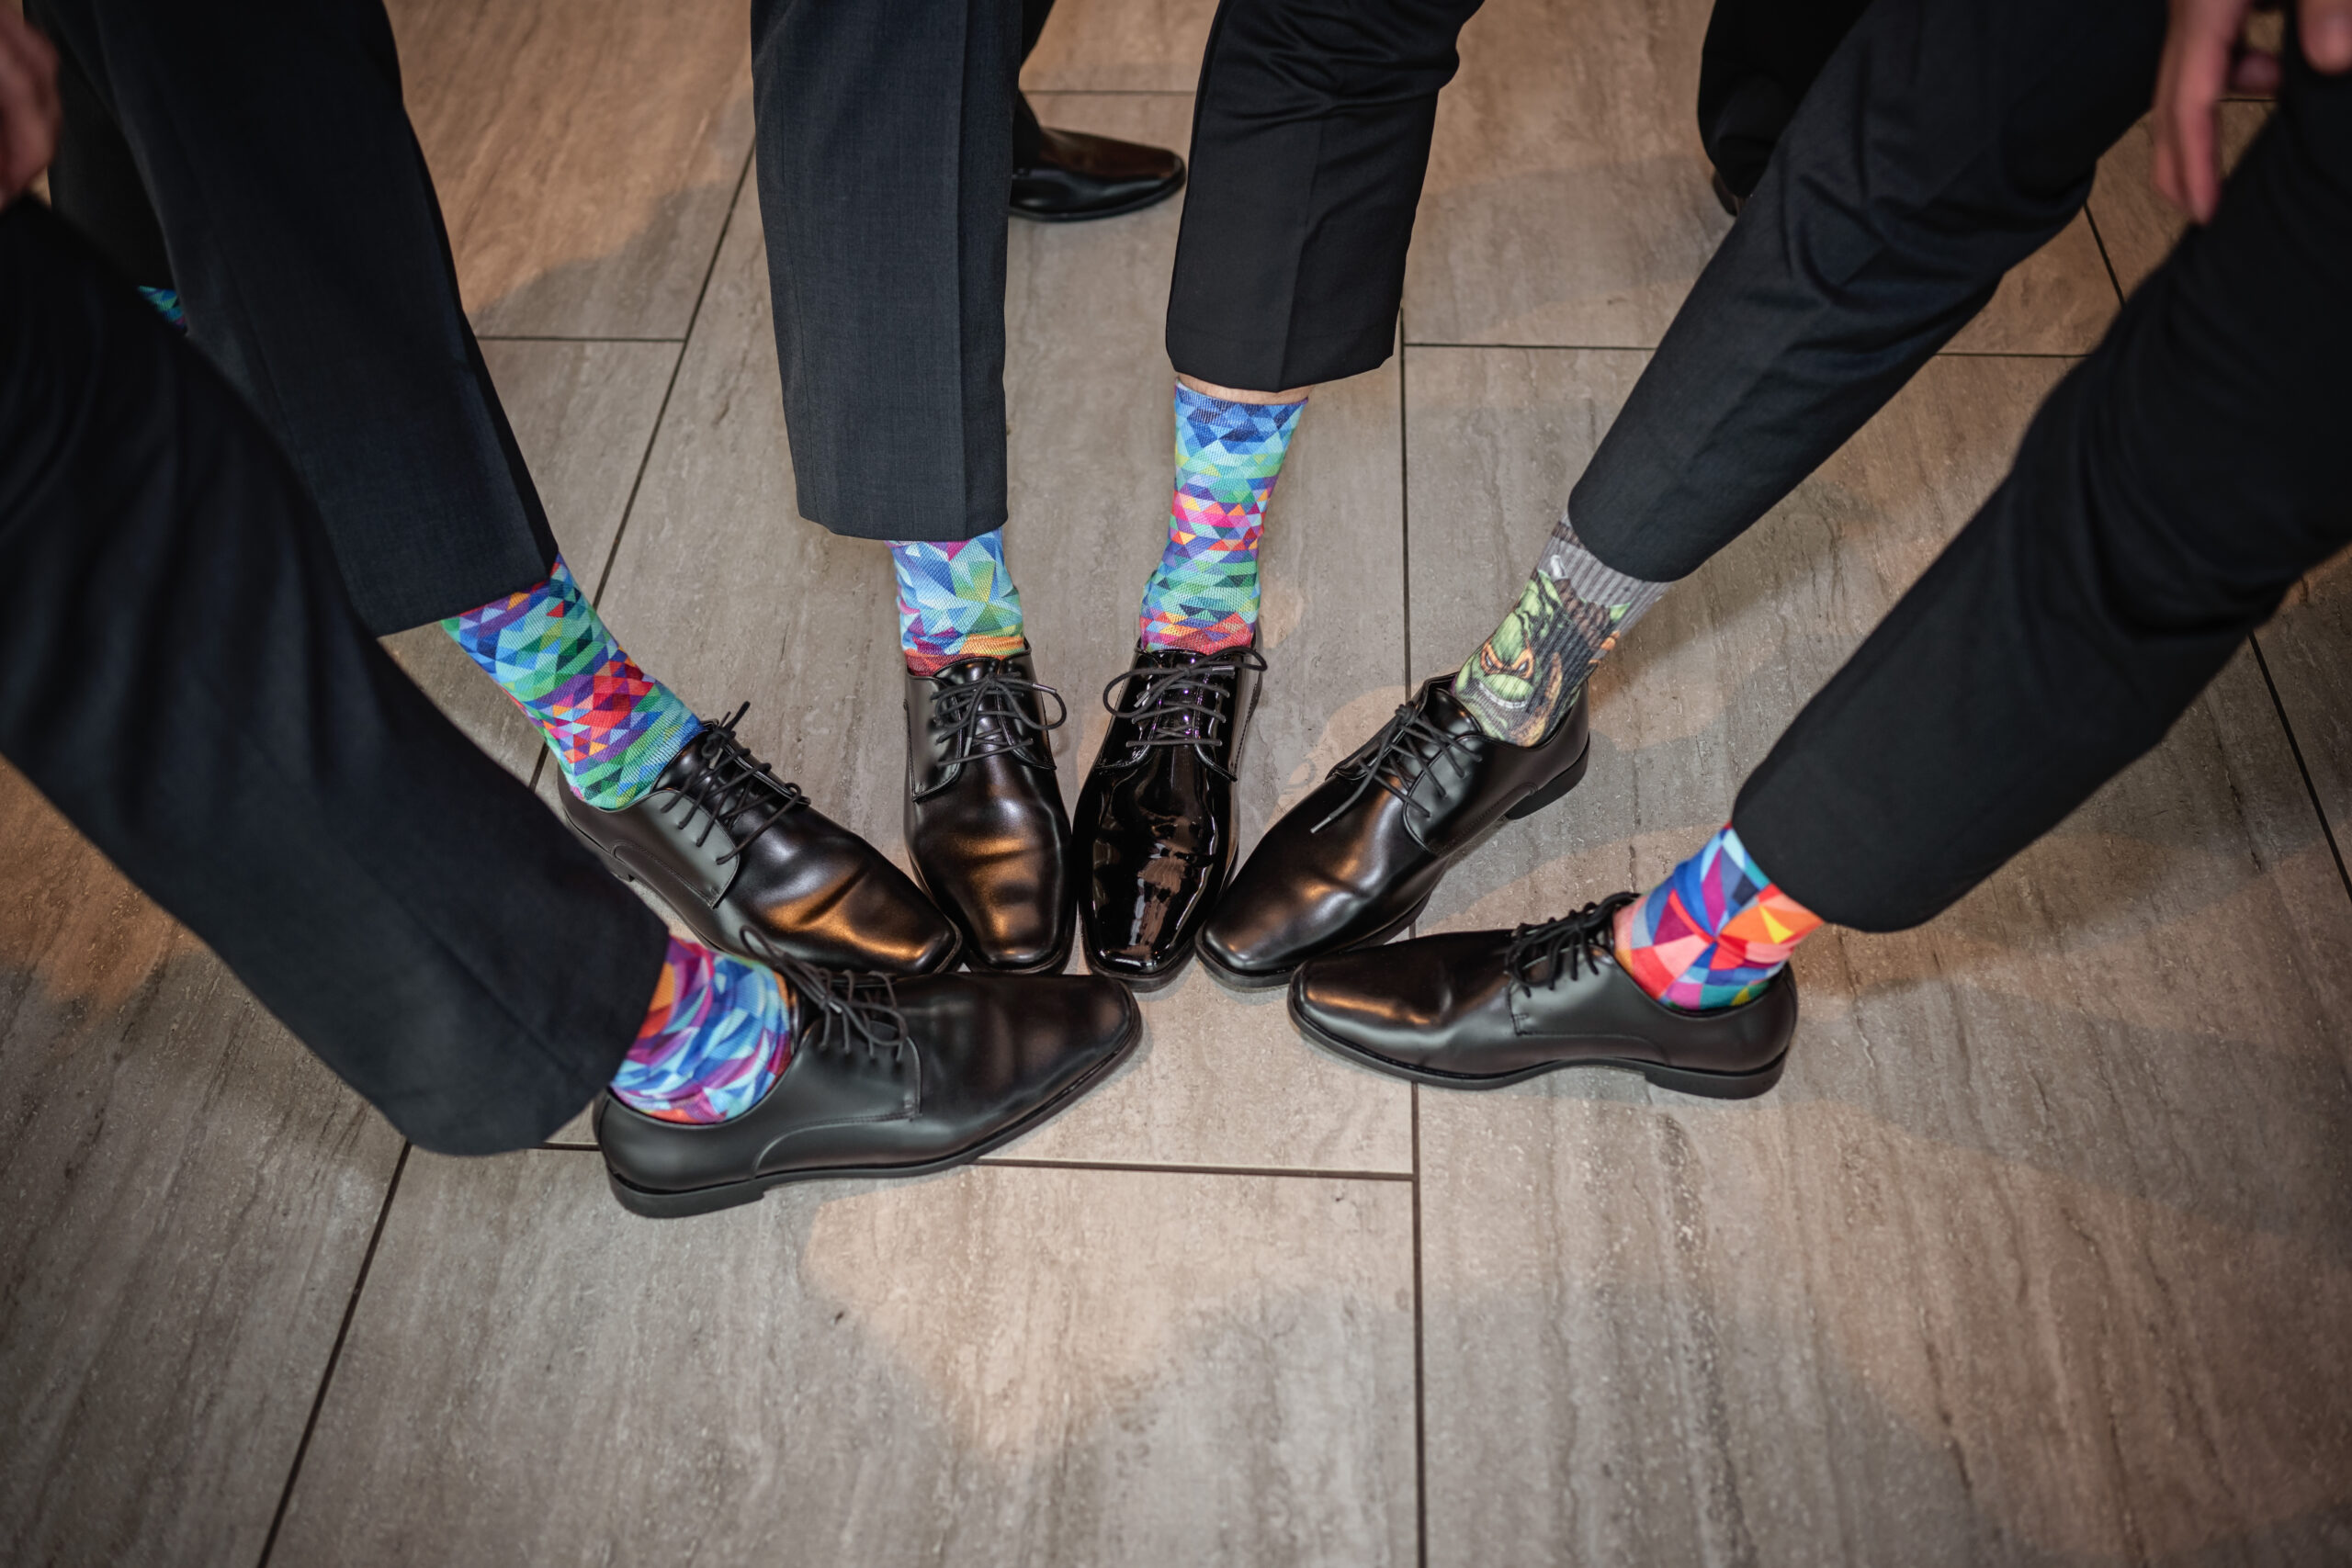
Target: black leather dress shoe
x: 1154, y: 833
x: 885, y: 1079
x: 1478, y: 1010
x: 1353, y: 863
x: 744, y: 861
x: 1075, y: 176
x: 985, y: 824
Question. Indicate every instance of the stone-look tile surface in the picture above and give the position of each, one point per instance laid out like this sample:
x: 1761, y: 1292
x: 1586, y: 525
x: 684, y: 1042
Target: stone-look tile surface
x: 1115, y: 46
x: 583, y: 415
x: 2038, y: 1253
x: 586, y: 153
x: 1568, y: 200
x: 1003, y: 1366
x: 723, y: 589
x: 2138, y: 226
x: 189, y: 1194
x: 2309, y: 647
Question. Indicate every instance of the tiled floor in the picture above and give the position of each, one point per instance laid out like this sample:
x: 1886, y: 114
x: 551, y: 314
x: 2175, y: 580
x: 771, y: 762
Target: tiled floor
x: 2042, y: 1254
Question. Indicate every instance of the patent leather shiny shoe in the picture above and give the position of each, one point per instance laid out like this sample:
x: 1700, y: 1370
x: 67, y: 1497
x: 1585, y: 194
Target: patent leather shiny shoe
x: 985, y: 823
x: 1153, y: 837
x: 744, y: 861
x: 1355, y: 863
x: 1075, y: 176
x: 885, y: 1079
x: 1478, y: 1010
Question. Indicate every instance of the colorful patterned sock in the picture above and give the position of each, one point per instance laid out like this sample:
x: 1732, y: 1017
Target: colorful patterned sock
x: 1203, y: 593
x: 1528, y: 674
x: 167, y: 305
x: 1715, y: 933
x: 955, y: 601
x: 717, y: 1033
x: 611, y: 728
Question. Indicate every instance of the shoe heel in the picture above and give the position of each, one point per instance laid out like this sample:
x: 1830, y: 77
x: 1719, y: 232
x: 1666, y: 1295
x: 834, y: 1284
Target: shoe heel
x: 1570, y: 776
x: 1717, y: 1086
x: 652, y: 1205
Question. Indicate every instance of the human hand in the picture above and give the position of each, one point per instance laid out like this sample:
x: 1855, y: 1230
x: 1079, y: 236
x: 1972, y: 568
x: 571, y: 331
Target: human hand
x: 2205, y: 52
x: 28, y: 104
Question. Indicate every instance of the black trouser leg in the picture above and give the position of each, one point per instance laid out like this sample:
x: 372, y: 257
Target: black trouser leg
x: 1944, y: 142
x: 182, y: 674
x: 2174, y: 487
x: 1310, y: 138
x: 306, y: 241
x: 885, y: 165
x: 1759, y: 59
x: 93, y: 179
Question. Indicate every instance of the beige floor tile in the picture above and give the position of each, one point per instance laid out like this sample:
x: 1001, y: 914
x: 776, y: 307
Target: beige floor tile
x: 2309, y: 647
x: 586, y: 153
x: 1003, y: 1366
x: 2138, y: 226
x: 2037, y: 1254
x: 1118, y: 46
x: 189, y: 1194
x: 1569, y: 204
x: 583, y: 415
x: 723, y: 592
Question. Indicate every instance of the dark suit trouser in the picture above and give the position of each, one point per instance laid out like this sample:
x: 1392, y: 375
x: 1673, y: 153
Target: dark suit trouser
x: 1759, y: 59
x: 2165, y: 497
x: 2162, y: 500
x: 186, y: 679
x: 1310, y: 142
x: 303, y: 232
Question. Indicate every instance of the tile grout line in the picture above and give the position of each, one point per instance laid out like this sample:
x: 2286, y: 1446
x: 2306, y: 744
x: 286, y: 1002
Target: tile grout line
x: 653, y: 437
x: 334, y: 1355
x: 1420, y: 1340
x: 2108, y: 261
x: 2295, y: 748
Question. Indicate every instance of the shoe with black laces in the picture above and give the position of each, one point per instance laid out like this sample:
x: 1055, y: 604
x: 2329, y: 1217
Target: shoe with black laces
x: 985, y: 824
x: 887, y: 1078
x: 1479, y: 1010
x: 1154, y: 834
x: 1355, y: 861
x: 751, y: 867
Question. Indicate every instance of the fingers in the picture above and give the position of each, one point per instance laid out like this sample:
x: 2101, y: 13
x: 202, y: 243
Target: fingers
x: 2326, y: 29
x: 28, y: 111
x: 2255, y: 70
x: 2199, y: 45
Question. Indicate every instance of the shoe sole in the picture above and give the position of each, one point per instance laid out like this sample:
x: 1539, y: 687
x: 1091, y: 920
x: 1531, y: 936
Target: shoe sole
x: 651, y: 1204
x: 1144, y: 985
x: 697, y: 919
x: 1154, y: 199
x: 1683, y: 1080
x: 1567, y: 779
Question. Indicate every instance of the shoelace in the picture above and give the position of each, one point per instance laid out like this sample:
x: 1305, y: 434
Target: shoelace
x: 1411, y: 737
x: 1563, y: 946
x: 727, y: 781
x: 958, y: 710
x: 852, y: 1009
x: 1182, y: 705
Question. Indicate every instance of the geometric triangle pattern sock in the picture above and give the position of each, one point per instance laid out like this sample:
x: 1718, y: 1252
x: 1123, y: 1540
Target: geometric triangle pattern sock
x: 1203, y: 593
x: 955, y: 601
x: 1527, y: 674
x: 167, y: 302
x: 612, y: 728
x: 1715, y: 933
x: 717, y: 1033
